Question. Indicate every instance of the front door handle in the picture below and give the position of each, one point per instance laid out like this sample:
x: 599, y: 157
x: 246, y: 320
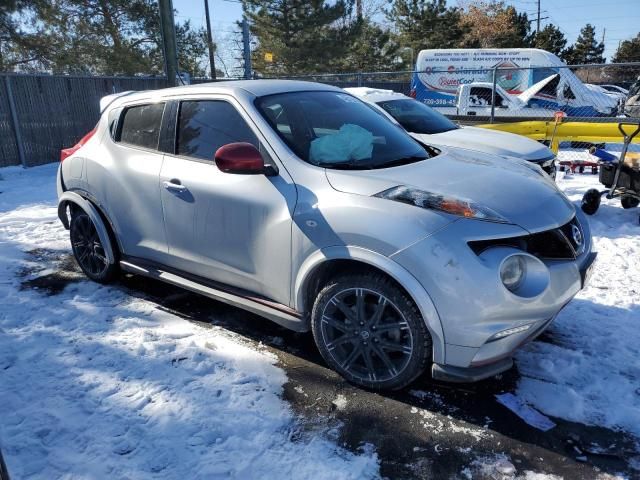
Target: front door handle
x: 174, y: 185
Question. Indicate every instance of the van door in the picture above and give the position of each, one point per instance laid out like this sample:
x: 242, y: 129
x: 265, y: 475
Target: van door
x: 231, y: 228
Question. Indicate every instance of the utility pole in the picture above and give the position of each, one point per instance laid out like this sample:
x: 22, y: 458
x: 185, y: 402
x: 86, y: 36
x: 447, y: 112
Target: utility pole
x: 538, y: 22
x: 168, y: 30
x: 604, y: 31
x: 212, y: 61
x: 246, y: 49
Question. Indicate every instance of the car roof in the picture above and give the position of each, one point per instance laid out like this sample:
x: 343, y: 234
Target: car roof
x: 256, y: 88
x: 236, y: 88
x: 375, y: 95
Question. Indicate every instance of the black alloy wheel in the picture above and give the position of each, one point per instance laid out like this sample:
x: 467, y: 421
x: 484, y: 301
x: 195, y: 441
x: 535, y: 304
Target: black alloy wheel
x: 370, y: 332
x: 88, y: 249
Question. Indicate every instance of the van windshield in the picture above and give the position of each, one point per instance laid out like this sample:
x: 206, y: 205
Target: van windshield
x: 336, y: 130
x: 416, y: 117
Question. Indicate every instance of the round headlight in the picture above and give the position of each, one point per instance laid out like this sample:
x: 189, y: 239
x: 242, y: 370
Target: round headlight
x: 513, y: 271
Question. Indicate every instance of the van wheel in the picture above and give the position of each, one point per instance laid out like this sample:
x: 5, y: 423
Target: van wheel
x: 88, y: 249
x: 370, y: 331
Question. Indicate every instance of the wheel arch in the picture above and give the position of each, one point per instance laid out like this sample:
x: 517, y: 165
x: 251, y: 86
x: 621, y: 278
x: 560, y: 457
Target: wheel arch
x: 329, y: 261
x: 68, y: 199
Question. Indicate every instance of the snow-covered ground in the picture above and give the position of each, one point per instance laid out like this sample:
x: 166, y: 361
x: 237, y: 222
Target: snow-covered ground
x: 97, y: 384
x: 590, y: 373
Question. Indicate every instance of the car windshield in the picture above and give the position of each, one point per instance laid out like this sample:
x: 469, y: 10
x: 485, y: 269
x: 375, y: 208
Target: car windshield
x: 416, y: 117
x: 336, y: 130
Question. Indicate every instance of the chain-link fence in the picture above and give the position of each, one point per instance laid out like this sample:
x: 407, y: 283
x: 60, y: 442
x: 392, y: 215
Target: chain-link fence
x: 581, y: 92
x: 40, y: 114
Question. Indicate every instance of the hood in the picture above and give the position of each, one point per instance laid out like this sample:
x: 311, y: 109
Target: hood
x: 529, y: 93
x: 518, y: 191
x: 490, y: 141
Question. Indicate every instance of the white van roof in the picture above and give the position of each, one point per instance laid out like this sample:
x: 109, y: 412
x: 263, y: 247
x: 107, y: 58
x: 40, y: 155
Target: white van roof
x: 485, y: 58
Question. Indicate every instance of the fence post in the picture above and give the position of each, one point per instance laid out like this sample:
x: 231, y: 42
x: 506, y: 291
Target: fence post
x: 493, y: 95
x: 359, y: 79
x: 14, y: 121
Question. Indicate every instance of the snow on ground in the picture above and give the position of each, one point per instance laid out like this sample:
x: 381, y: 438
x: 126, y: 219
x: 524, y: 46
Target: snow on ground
x: 590, y: 373
x: 95, y: 383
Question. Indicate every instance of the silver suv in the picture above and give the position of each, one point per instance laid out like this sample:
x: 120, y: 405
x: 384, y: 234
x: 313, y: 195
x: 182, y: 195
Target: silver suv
x: 300, y: 203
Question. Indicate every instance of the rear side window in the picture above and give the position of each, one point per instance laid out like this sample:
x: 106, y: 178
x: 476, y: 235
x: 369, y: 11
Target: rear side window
x: 141, y: 125
x: 206, y: 125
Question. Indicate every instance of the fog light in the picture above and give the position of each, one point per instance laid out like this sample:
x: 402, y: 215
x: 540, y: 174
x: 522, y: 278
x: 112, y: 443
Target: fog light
x: 509, y: 331
x: 513, y: 271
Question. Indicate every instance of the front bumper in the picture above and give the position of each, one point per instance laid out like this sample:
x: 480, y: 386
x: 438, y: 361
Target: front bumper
x: 474, y: 306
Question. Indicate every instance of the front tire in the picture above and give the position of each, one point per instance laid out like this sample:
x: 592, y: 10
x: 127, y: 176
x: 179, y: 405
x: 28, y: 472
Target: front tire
x: 88, y: 249
x: 370, y: 331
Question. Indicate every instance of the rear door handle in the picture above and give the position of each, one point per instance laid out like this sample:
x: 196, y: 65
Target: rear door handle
x: 174, y: 185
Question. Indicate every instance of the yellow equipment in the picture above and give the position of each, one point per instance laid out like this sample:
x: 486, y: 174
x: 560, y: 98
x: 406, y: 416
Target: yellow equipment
x: 556, y: 131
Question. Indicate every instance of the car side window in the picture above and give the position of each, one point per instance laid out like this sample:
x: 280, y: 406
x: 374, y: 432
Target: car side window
x: 206, y: 125
x: 141, y: 125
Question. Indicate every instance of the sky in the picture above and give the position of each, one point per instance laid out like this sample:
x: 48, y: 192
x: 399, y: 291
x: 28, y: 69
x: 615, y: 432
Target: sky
x: 620, y: 18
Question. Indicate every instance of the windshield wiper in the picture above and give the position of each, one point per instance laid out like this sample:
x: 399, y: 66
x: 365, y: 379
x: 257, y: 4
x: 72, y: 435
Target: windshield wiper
x: 362, y: 165
x: 402, y: 161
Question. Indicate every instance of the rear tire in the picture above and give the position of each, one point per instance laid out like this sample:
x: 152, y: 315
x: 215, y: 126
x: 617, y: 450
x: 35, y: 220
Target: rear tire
x: 591, y: 201
x: 370, y: 331
x: 88, y: 249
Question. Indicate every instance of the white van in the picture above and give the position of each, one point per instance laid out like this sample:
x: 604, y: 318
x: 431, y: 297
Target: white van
x: 440, y: 73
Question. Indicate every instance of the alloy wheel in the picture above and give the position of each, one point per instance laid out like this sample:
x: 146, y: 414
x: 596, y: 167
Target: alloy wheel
x: 366, y: 334
x: 87, y: 247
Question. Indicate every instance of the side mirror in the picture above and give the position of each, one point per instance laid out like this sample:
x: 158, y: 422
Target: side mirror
x: 241, y: 157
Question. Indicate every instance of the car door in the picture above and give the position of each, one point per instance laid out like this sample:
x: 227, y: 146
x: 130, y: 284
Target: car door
x: 231, y: 228
x: 130, y: 180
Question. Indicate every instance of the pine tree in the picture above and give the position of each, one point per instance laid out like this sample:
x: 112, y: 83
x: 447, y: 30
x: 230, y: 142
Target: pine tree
x: 551, y: 39
x: 372, y: 48
x: 103, y: 37
x: 586, y: 49
x: 628, y: 51
x: 426, y: 24
x: 298, y: 36
x: 17, y: 46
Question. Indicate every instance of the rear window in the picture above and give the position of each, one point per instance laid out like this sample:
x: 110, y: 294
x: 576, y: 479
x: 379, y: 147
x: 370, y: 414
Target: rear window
x: 416, y: 117
x: 141, y: 125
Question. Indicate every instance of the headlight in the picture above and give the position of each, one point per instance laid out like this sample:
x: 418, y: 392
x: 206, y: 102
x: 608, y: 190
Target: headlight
x: 443, y: 203
x: 512, y: 272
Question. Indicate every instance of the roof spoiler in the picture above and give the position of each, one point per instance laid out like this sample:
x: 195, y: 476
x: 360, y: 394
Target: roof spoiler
x: 109, y: 99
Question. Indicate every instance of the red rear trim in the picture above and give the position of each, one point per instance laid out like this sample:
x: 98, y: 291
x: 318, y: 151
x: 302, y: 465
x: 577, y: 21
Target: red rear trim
x: 67, y: 152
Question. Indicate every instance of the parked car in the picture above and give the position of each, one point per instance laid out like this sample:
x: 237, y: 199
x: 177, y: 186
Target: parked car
x: 619, y: 97
x: 433, y: 128
x: 632, y: 105
x: 615, y: 89
x: 300, y: 203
